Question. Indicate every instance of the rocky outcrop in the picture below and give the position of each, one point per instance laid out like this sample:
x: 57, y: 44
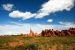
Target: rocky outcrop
x: 51, y: 32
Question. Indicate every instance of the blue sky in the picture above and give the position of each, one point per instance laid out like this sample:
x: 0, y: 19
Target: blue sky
x: 21, y: 15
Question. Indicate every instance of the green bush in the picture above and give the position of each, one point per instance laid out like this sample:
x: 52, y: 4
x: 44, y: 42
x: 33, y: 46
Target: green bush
x: 31, y: 46
x: 19, y: 48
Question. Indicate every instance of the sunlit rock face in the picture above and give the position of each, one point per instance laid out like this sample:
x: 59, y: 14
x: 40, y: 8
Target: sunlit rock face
x: 52, y: 32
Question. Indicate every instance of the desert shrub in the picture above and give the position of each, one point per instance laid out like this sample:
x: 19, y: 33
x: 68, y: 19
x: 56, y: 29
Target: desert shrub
x: 19, y: 48
x: 31, y: 46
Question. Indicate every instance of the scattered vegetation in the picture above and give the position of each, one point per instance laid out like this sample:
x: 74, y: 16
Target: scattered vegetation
x: 18, y: 42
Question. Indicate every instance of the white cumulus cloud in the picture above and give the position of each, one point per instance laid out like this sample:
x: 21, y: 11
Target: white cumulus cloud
x: 19, y: 14
x: 68, y: 24
x: 7, y: 7
x: 53, y: 6
x: 50, y: 20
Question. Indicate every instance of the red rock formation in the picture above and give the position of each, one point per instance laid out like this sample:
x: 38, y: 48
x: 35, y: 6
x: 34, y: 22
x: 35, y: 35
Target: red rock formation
x: 52, y: 32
